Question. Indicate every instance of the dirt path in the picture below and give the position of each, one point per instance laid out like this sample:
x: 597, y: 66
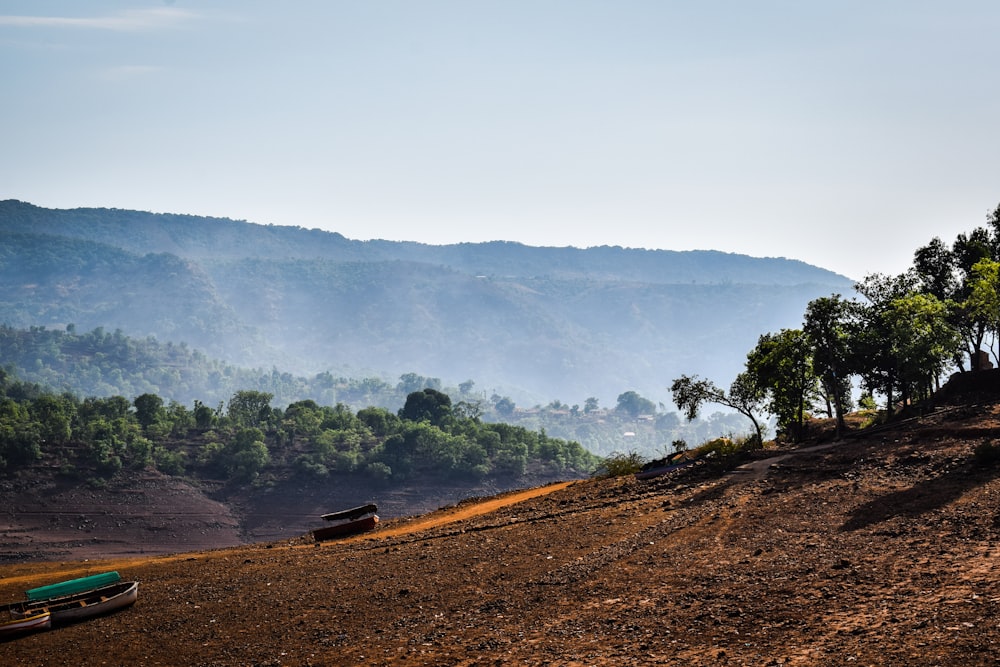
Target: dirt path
x: 460, y: 513
x: 756, y: 470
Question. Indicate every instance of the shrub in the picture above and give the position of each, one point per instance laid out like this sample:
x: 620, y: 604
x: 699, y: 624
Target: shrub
x: 169, y: 462
x: 720, y: 447
x: 725, y: 448
x: 379, y: 470
x: 620, y: 465
x: 97, y: 483
x: 306, y: 465
x: 986, y: 453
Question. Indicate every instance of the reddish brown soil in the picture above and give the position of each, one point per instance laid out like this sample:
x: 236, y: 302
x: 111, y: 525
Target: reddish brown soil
x: 48, y: 517
x: 877, y: 550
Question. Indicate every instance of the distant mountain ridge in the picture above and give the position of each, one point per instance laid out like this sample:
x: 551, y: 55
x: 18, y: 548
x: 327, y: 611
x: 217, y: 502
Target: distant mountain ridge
x: 198, y: 237
x: 563, y: 323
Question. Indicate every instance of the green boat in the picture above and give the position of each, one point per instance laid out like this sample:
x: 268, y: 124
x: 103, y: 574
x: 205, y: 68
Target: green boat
x: 73, y: 586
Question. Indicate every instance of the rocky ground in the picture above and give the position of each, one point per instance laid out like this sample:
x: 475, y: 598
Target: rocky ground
x: 873, y: 550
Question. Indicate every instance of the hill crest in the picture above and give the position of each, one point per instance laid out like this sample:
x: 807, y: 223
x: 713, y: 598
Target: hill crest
x: 203, y: 237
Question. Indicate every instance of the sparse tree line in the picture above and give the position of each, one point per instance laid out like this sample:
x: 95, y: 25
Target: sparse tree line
x: 247, y: 439
x: 896, y: 340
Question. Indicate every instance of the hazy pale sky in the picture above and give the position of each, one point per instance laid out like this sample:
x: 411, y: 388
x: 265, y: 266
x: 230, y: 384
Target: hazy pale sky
x: 842, y: 133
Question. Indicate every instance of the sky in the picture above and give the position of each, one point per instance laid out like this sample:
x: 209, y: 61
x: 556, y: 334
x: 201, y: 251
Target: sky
x: 844, y: 133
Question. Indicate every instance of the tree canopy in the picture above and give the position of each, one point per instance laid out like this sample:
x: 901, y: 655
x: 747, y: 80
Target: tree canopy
x: 897, y: 338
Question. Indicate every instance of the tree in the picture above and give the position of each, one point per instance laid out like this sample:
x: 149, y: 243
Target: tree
x: 781, y: 367
x: 469, y: 410
x: 874, y: 353
x: 147, y: 409
x: 54, y: 418
x: 430, y: 405
x: 968, y: 251
x: 250, y: 409
x: 902, y: 339
x: 691, y: 393
x: 589, y: 405
x: 925, y: 342
x: 826, y: 329
x: 19, y: 435
x: 204, y: 416
x: 411, y: 382
x: 934, y: 266
x: 983, y: 302
x: 247, y: 455
x: 504, y: 406
x: 632, y: 404
x: 379, y: 421
x: 111, y: 407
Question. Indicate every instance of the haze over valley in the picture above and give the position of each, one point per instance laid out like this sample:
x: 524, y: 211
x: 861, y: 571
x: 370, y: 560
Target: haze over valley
x: 537, y: 324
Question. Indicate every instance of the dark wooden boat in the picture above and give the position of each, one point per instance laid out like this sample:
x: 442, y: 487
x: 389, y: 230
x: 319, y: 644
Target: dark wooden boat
x: 662, y: 470
x: 352, y: 514
x: 347, y: 522
x: 365, y: 523
x: 79, y: 606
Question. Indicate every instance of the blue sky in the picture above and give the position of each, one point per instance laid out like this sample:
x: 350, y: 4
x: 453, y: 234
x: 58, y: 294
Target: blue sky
x: 845, y: 134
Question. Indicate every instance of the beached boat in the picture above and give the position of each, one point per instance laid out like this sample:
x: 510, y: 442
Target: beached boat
x: 352, y: 514
x: 662, y: 470
x: 73, y: 586
x: 12, y: 625
x: 78, y: 606
x: 347, y: 522
x: 346, y: 528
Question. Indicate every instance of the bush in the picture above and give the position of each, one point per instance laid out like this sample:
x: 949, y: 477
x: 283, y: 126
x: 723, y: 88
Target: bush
x: 986, y: 453
x: 306, y: 465
x: 97, y: 483
x: 721, y: 447
x: 726, y: 449
x: 620, y: 465
x: 211, y: 455
x: 379, y: 470
x: 169, y: 462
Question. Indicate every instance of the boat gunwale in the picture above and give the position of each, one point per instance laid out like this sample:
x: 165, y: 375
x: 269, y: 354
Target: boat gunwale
x: 86, y: 604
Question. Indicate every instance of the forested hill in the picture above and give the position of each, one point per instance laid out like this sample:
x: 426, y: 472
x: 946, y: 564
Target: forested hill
x: 536, y: 323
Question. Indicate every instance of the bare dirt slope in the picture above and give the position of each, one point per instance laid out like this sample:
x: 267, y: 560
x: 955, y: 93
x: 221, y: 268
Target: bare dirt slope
x: 879, y: 550
x: 44, y: 516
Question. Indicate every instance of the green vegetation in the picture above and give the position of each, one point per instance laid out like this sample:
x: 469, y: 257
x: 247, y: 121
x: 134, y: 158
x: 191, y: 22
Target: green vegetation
x: 621, y: 464
x: 896, y: 340
x: 724, y: 448
x: 100, y: 364
x: 251, y: 441
x: 690, y: 393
